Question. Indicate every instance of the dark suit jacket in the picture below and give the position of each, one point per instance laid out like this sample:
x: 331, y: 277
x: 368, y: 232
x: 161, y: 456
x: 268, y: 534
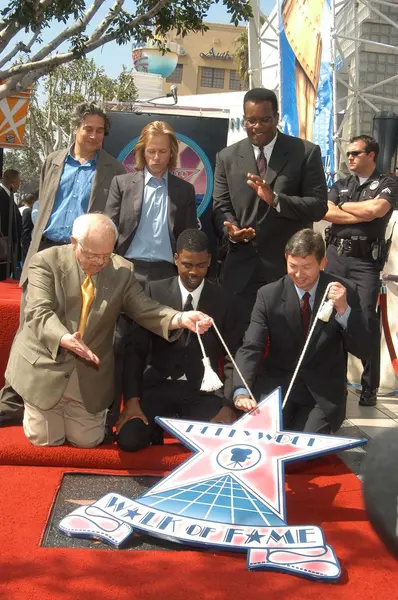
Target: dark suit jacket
x: 27, y: 228
x: 51, y: 172
x: 124, y: 207
x: 16, y: 228
x: 295, y: 173
x: 276, y: 315
x: 173, y: 359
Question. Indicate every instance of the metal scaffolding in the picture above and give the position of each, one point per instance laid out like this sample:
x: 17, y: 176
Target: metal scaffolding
x: 364, y: 38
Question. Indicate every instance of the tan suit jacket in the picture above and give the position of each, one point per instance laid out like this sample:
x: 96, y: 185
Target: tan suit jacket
x: 107, y: 168
x: 38, y: 368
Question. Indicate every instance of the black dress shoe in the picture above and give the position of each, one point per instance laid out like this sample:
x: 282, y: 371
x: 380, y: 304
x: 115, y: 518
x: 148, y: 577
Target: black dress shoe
x: 368, y: 398
x: 10, y: 419
x: 109, y: 437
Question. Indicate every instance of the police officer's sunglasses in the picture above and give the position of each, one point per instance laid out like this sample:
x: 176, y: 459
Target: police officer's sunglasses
x: 355, y: 153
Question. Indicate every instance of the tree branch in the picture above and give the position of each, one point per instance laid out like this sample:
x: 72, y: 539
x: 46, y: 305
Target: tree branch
x: 20, y: 47
x: 74, y: 29
x: 45, y: 64
x: 10, y: 30
x: 106, y: 21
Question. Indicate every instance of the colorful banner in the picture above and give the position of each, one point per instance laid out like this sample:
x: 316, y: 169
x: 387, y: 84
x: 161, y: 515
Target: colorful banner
x: 306, y: 75
x: 13, y: 113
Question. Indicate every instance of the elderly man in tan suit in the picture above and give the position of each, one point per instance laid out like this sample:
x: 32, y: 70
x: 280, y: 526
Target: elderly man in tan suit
x: 73, y: 181
x: 61, y: 363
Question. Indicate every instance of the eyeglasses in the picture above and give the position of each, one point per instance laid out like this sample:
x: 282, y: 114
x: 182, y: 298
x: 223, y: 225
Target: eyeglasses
x: 355, y: 153
x: 95, y: 257
x: 262, y: 121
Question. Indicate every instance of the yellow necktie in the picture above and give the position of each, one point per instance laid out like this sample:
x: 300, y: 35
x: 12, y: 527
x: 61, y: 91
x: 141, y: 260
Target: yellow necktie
x: 88, y: 293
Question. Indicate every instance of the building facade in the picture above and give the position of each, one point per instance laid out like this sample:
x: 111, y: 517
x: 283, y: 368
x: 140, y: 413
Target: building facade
x: 205, y: 64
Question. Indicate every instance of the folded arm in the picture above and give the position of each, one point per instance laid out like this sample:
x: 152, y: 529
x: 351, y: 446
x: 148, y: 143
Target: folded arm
x: 367, y: 210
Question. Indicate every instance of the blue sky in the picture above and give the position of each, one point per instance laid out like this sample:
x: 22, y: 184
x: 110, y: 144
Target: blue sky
x: 111, y: 56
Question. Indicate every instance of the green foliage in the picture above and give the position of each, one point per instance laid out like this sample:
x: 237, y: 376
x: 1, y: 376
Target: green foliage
x: 28, y: 13
x: 183, y: 15
x: 240, y: 54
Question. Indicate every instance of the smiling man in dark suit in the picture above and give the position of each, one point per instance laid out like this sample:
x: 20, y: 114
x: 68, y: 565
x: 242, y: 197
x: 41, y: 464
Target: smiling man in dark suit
x: 165, y: 379
x: 283, y: 315
x: 260, y: 212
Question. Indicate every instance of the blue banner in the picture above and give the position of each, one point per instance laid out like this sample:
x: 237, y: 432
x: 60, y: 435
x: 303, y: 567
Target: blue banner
x: 306, y: 75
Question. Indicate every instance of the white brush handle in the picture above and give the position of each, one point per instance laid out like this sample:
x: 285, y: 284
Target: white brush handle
x: 233, y: 362
x: 307, y: 341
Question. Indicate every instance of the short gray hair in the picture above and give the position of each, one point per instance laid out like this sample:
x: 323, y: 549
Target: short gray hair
x: 306, y: 242
x: 82, y: 110
x: 83, y: 224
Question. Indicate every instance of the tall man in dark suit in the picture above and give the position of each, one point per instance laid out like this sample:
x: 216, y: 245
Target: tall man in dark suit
x: 11, y: 178
x: 73, y: 181
x: 62, y: 360
x: 260, y: 212
x: 165, y: 379
x: 151, y: 207
x: 283, y: 313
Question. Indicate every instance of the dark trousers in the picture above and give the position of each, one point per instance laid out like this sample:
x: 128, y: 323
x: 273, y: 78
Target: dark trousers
x: 144, y: 272
x: 366, y: 275
x: 247, y: 297
x: 167, y: 399
x: 301, y: 412
x: 301, y: 417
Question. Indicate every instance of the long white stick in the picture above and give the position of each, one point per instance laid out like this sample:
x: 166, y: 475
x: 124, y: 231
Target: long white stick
x: 300, y: 360
x: 233, y: 362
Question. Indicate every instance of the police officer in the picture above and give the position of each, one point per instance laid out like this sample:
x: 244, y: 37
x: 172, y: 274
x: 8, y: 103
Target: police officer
x: 359, y: 208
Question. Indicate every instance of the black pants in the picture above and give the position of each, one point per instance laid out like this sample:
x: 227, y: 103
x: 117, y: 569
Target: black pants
x: 166, y: 399
x: 247, y: 297
x: 366, y: 275
x: 144, y: 272
x: 301, y: 417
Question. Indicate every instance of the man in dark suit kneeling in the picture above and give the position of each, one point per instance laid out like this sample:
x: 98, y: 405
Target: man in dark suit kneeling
x: 165, y: 379
x: 283, y: 314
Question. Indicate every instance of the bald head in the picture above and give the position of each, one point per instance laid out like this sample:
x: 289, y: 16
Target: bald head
x: 93, y: 239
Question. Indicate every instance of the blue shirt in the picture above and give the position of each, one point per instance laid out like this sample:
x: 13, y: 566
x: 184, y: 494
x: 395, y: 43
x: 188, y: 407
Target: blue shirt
x: 72, y: 197
x: 152, y: 238
x: 341, y: 319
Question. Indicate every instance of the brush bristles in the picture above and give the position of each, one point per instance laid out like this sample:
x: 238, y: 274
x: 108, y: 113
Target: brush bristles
x: 211, y: 381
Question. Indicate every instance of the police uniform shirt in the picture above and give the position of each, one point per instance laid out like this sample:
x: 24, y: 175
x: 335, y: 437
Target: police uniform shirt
x: 350, y: 189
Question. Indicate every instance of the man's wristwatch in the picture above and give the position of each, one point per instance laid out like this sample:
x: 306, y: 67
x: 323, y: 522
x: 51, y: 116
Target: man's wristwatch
x: 340, y: 204
x: 275, y: 201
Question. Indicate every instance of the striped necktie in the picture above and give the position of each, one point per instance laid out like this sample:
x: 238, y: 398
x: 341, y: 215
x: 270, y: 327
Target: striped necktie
x: 306, y: 313
x: 261, y: 163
